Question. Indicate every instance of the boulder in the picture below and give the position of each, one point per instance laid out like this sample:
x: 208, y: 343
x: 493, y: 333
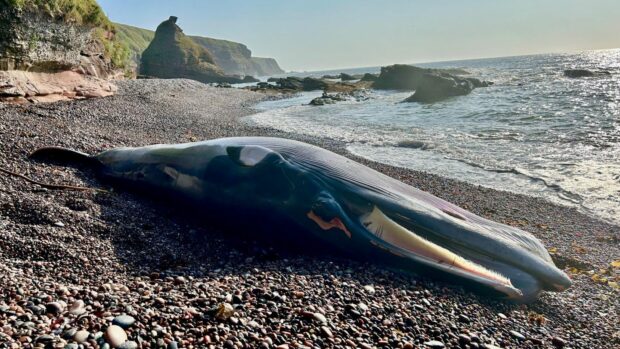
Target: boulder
x: 249, y: 78
x: 299, y: 84
x: 430, y: 84
x: 347, y: 77
x: 331, y: 77
x: 331, y: 98
x: 434, y: 88
x: 369, y: 77
x: 311, y: 84
x: 584, y: 73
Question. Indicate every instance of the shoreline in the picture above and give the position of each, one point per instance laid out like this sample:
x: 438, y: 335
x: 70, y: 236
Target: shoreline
x: 136, y: 253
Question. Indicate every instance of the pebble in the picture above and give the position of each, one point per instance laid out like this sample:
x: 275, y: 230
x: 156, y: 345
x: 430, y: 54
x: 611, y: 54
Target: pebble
x: 370, y: 289
x: 517, y: 335
x: 558, y: 342
x: 54, y: 308
x: 128, y: 345
x: 77, y: 308
x: 124, y: 321
x: 224, y: 311
x: 115, y: 336
x: 319, y: 317
x: 327, y: 332
x: 81, y: 336
x: 434, y: 344
x: 173, y: 345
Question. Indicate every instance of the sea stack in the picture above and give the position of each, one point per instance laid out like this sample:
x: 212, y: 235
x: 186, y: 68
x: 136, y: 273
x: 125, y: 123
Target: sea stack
x: 172, y: 54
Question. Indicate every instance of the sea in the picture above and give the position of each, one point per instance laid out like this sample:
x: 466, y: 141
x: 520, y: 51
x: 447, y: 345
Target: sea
x: 533, y: 132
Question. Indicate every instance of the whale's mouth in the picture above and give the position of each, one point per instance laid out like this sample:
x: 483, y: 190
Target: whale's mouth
x: 404, y: 242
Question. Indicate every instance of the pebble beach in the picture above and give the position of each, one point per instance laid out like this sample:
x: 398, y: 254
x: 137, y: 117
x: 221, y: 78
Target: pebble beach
x: 107, y: 268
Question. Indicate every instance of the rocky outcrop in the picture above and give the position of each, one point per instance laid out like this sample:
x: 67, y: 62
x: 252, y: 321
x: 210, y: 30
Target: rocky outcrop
x: 48, y: 49
x: 299, y: 84
x: 232, y: 57
x: 584, y: 73
x: 430, y: 85
x: 21, y: 86
x: 332, y: 98
x: 433, y: 88
x: 369, y: 77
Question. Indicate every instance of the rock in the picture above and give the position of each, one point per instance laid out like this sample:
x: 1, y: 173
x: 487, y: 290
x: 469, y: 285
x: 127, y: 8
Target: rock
x: 326, y: 332
x: 173, y: 345
x: 584, y: 73
x: 115, y: 336
x: 77, y: 308
x: 517, y: 335
x: 463, y: 318
x: 435, y: 88
x: 464, y: 339
x: 319, y: 317
x: 248, y: 79
x: 81, y: 336
x: 299, y: 84
x: 124, y: 321
x: 558, y: 342
x: 322, y: 100
x: 346, y: 77
x: 54, y: 308
x: 370, y: 289
x: 311, y: 84
x: 369, y: 77
x: 128, y: 345
x: 430, y: 85
x: 434, y: 344
x: 224, y: 311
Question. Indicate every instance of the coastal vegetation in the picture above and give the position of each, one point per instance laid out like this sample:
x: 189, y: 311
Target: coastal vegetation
x: 80, y: 12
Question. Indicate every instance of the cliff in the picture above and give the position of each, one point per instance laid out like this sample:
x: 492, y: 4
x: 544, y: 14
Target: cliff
x: 232, y: 57
x: 52, y: 37
x: 236, y: 58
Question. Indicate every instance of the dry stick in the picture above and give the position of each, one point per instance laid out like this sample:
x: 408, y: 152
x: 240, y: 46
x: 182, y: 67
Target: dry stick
x: 49, y: 186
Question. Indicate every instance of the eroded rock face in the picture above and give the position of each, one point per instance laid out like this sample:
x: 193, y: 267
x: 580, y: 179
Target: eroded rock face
x: 171, y: 54
x: 46, y: 59
x: 19, y: 86
x: 37, y: 43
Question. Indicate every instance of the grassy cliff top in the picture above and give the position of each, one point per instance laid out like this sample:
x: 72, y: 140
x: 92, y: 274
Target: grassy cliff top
x: 82, y: 12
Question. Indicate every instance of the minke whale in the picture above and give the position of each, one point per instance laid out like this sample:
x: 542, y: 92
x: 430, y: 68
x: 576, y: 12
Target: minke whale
x: 296, y: 190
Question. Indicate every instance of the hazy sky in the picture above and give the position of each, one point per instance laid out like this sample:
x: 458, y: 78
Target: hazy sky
x: 326, y: 34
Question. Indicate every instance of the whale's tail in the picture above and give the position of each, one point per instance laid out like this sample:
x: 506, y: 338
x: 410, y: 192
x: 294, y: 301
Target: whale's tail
x: 64, y: 157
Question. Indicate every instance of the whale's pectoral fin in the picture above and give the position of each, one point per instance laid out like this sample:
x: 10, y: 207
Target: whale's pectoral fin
x: 328, y: 214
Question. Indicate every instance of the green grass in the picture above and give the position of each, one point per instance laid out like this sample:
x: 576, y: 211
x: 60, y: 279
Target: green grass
x: 136, y: 39
x: 82, y: 12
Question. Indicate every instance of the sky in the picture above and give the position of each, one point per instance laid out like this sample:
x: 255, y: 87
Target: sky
x: 307, y: 35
